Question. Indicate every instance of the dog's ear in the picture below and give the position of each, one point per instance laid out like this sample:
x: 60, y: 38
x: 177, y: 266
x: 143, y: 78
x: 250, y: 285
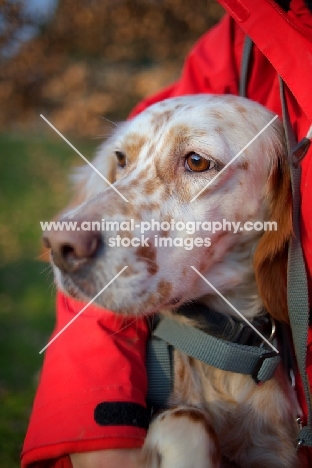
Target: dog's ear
x: 270, y: 258
x: 87, y: 182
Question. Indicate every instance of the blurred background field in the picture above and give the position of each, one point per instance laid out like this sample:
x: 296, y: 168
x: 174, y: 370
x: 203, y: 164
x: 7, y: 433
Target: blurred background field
x: 72, y: 61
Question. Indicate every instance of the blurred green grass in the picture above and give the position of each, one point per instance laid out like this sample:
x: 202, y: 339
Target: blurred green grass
x: 33, y: 187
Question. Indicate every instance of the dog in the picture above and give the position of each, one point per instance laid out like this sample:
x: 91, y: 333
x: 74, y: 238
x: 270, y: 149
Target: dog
x: 181, y: 159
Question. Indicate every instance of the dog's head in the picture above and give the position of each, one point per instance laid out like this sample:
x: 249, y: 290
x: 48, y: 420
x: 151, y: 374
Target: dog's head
x: 188, y: 174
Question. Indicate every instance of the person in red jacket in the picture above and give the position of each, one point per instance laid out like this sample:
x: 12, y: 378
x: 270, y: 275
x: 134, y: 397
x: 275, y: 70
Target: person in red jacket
x: 99, y: 361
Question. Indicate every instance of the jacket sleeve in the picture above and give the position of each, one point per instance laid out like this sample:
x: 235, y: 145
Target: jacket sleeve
x: 92, y: 388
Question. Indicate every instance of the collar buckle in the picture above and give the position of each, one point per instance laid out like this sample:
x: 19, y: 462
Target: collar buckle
x: 272, y: 335
x: 261, y: 364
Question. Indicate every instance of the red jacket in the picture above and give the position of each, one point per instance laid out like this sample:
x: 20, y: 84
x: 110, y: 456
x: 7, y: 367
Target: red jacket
x: 100, y: 358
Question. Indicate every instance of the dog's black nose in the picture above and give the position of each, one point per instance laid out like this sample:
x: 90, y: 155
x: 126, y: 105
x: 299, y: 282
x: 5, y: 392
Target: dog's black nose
x: 71, y: 250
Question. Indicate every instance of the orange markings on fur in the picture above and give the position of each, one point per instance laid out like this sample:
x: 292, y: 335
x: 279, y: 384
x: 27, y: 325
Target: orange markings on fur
x: 164, y: 289
x: 151, y: 186
x: 240, y: 109
x: 166, y: 162
x: 160, y: 119
x: 148, y: 255
x: 270, y: 258
x: 243, y: 165
x: 133, y: 145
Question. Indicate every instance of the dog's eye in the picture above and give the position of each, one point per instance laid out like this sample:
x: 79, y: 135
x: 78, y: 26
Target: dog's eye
x: 121, y: 158
x: 196, y: 163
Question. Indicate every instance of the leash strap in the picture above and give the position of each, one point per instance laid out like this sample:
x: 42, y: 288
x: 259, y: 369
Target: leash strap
x: 297, y: 287
x: 246, y: 54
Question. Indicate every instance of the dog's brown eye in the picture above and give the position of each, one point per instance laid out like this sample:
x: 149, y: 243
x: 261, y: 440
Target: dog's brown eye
x: 196, y: 163
x: 121, y: 158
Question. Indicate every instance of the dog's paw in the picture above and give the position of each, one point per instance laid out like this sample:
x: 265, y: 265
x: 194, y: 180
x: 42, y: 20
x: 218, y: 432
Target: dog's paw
x: 181, y: 437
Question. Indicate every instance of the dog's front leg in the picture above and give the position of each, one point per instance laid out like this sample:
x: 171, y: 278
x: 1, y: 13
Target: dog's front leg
x: 181, y: 437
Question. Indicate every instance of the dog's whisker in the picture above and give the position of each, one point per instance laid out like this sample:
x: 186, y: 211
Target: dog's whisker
x: 52, y: 289
x: 48, y: 268
x: 107, y: 120
x: 49, y: 274
x: 42, y: 255
x: 100, y: 137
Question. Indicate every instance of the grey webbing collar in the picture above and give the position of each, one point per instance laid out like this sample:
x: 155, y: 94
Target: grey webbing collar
x: 228, y: 327
x: 169, y: 333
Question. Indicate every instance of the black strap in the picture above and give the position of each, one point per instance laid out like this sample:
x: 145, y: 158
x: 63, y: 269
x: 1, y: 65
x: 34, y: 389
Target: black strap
x: 228, y: 327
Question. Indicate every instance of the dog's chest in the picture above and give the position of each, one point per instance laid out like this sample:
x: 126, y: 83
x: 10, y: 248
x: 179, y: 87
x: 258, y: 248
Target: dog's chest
x: 234, y: 404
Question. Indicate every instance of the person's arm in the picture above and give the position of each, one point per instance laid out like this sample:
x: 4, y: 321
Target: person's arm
x: 93, y: 371
x: 129, y: 458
